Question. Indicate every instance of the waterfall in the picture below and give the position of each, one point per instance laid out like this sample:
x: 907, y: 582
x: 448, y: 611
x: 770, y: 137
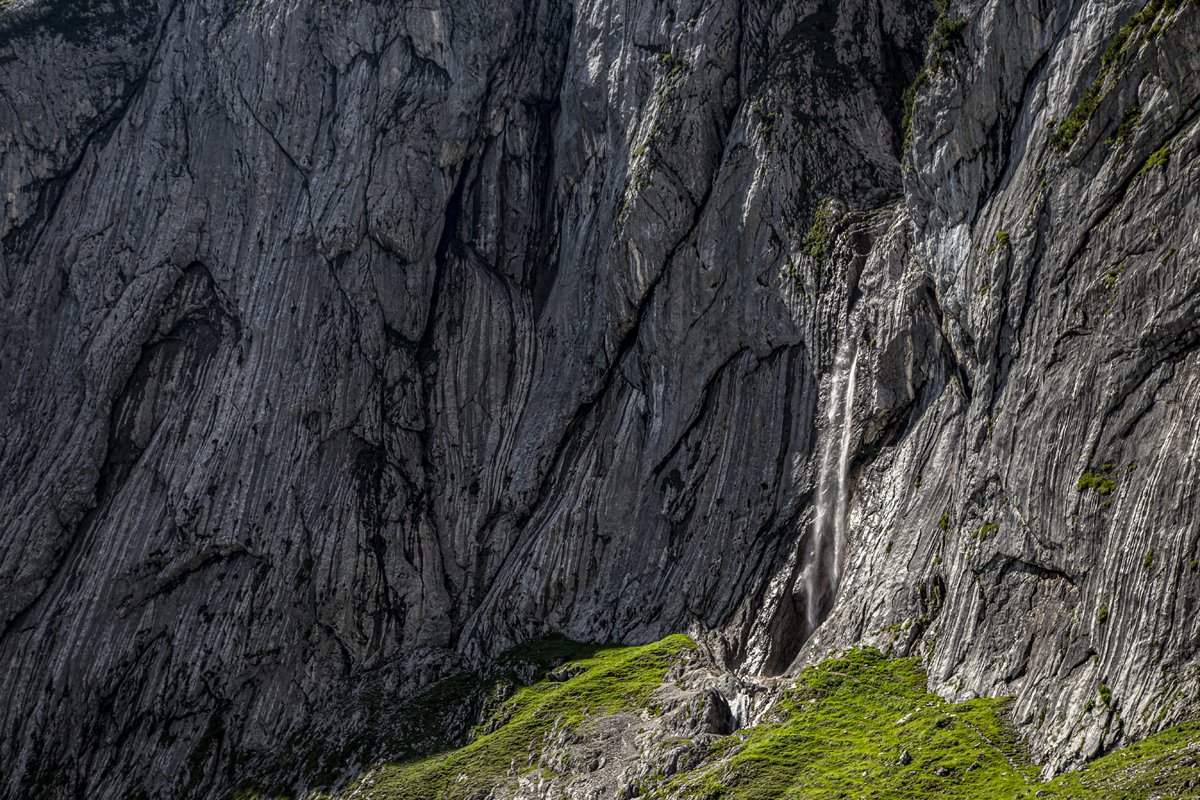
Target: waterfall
x: 832, y: 486
x: 843, y: 496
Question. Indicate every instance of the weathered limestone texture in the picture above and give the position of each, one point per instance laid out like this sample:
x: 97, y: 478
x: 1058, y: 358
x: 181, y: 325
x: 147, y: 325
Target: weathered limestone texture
x: 349, y: 340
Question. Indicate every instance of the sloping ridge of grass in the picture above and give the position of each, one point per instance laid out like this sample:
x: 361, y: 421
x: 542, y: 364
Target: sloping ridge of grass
x: 857, y: 725
x: 863, y: 725
x: 609, y: 680
x: 508, y: 708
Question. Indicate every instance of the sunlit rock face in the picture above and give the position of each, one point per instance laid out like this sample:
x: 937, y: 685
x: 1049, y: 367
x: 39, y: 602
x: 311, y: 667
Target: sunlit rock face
x: 349, y: 342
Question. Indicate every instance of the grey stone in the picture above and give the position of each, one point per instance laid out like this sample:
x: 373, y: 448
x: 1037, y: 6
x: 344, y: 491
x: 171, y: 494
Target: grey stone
x: 347, y: 345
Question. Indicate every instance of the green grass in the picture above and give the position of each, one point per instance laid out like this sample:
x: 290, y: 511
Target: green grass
x: 1158, y: 158
x: 987, y: 529
x: 611, y: 679
x: 1163, y: 765
x: 405, y: 729
x: 842, y: 731
x: 1068, y: 130
x: 1132, y: 117
x: 946, y: 32
x: 820, y: 235
x: 907, y: 100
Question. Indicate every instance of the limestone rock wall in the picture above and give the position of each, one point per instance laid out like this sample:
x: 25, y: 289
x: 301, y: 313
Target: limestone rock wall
x: 339, y: 338
x: 1066, y: 270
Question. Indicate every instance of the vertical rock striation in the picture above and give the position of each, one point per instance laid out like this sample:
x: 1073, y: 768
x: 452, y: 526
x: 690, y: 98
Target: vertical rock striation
x: 1038, y: 521
x: 355, y: 343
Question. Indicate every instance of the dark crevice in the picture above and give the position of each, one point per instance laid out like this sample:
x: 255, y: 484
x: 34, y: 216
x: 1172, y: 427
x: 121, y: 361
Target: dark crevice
x: 1002, y: 564
x: 1003, y: 133
x: 426, y: 355
x: 270, y: 133
x: 698, y: 415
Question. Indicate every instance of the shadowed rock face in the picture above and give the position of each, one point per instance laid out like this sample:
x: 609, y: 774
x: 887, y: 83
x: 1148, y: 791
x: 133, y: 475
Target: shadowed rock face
x: 347, y: 337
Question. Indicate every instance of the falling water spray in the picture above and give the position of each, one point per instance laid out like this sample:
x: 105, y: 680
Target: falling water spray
x: 843, y: 497
x: 829, y: 525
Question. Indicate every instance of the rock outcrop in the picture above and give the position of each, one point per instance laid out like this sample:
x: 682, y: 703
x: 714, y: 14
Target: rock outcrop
x: 348, y: 338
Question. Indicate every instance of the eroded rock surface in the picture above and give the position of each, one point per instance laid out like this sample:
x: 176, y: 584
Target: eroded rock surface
x: 340, y: 338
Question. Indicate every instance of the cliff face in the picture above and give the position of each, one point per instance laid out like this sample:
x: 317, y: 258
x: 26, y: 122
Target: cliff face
x: 346, y: 337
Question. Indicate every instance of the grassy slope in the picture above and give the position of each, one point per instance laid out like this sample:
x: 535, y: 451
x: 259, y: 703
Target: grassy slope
x: 844, y: 728
x: 847, y: 722
x: 611, y: 679
x: 839, y: 733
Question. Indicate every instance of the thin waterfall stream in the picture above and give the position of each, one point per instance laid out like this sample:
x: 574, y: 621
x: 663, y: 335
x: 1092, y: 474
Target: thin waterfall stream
x: 829, y: 525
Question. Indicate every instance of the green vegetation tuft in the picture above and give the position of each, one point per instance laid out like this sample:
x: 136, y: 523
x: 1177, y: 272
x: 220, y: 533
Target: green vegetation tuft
x: 820, y: 235
x: 1003, y: 238
x: 908, y: 99
x: 1099, y: 483
x: 1148, y: 561
x: 1102, y: 614
x: 1127, y: 126
x: 1113, y: 274
x: 1158, y: 158
x: 1068, y: 130
x: 947, y: 32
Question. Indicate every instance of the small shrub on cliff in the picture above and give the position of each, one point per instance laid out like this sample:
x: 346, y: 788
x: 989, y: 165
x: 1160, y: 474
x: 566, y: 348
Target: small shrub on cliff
x: 907, y: 100
x: 820, y: 235
x: 1099, y: 483
x: 1158, y: 158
